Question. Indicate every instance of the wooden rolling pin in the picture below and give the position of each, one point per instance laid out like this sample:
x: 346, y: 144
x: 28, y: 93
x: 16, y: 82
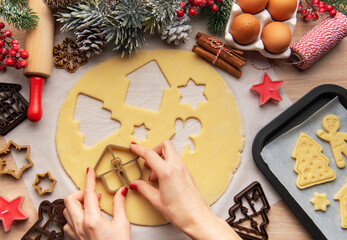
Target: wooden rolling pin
x: 39, y: 44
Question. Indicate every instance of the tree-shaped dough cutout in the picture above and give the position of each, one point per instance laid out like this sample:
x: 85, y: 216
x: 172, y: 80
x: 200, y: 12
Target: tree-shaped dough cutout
x: 310, y: 165
x: 192, y: 93
x: 184, y: 131
x: 146, y: 87
x: 95, y: 122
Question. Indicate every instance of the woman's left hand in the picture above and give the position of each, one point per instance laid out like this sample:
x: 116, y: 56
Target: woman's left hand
x: 84, y: 219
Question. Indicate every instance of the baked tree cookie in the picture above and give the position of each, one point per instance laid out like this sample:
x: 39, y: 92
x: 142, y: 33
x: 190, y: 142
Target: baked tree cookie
x: 311, y: 165
x: 331, y: 123
x: 342, y: 197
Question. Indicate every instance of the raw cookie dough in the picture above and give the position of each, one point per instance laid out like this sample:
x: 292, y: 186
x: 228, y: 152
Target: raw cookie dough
x: 320, y: 201
x: 310, y: 165
x: 217, y: 146
x: 342, y: 197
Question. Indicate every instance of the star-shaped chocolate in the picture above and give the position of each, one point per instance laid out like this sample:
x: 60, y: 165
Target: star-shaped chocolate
x: 320, y: 201
x: 267, y: 90
x: 10, y: 211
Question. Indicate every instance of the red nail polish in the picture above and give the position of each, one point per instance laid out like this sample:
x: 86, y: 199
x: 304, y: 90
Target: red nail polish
x: 124, y: 191
x: 133, y: 186
x: 87, y: 170
x: 133, y: 143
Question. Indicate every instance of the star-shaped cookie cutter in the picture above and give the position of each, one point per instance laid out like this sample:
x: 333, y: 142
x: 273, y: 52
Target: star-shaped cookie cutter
x: 68, y: 56
x: 6, y: 151
x: 38, y: 179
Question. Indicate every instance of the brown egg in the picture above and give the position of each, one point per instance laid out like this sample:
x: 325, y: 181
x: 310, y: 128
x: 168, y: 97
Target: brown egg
x: 245, y: 28
x: 276, y: 37
x: 252, y: 6
x: 281, y: 10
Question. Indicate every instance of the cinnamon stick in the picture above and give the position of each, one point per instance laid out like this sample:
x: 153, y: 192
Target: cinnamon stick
x: 220, y: 62
x: 230, y: 58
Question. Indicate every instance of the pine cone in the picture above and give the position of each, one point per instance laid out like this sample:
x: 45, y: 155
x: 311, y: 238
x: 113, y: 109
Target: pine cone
x: 61, y: 3
x: 177, y: 31
x: 89, y: 40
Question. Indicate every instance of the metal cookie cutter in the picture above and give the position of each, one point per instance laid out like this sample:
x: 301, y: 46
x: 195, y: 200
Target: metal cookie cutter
x: 116, y: 166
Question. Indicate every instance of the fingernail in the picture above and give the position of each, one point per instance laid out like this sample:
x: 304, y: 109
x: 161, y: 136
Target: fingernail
x: 87, y: 170
x: 124, y: 191
x: 133, y: 186
x: 133, y: 143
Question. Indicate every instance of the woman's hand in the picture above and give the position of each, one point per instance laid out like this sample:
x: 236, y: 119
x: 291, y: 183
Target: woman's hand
x: 84, y: 219
x: 178, y: 197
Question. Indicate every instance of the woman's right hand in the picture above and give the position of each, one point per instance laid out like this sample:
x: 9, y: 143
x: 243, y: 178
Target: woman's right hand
x: 178, y: 197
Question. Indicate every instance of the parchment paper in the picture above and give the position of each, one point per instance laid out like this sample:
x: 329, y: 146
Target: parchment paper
x: 41, y: 135
x: 277, y: 155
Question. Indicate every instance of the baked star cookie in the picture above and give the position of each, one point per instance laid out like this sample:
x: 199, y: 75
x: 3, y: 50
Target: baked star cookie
x: 331, y: 123
x: 342, y: 197
x: 320, y: 201
x: 311, y: 165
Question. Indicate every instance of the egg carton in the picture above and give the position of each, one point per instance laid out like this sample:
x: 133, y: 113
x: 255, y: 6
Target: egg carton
x: 264, y: 18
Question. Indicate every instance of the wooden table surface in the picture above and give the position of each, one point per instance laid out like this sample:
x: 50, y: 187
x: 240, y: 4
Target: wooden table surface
x: 283, y: 223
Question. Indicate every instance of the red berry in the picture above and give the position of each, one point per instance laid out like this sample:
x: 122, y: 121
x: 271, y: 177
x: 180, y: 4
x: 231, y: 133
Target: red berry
x: 17, y: 65
x: 24, y: 54
x: 198, y: 2
x: 8, y: 62
x: 1, y: 43
x: 303, y: 12
x: 321, y: 10
x: 203, y: 4
x: 15, y: 48
x: 2, y: 57
x: 23, y: 63
x: 321, y: 4
x: 300, y: 7
x: 329, y: 8
x: 214, y: 8
x: 315, y: 2
x: 182, y: 4
x: 7, y: 33
x: 0, y: 51
x: 333, y: 13
x: 192, y: 11
x: 14, y: 42
x: 219, y: 1
x: 210, y: 3
x: 2, y: 68
x: 308, y: 17
x: 180, y: 13
x: 5, y: 52
x: 315, y: 16
x: 2, y: 25
x: 13, y: 53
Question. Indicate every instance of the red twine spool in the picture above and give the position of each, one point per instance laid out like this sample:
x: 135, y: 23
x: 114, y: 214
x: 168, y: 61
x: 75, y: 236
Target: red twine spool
x: 317, y: 42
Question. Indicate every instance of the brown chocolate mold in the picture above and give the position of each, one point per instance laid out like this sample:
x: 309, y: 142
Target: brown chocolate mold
x: 68, y: 56
x: 247, y: 202
x: 38, y: 179
x: 56, y: 220
x: 6, y: 151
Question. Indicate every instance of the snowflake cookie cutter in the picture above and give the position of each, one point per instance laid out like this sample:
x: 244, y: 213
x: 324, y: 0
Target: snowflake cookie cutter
x: 13, y: 107
x: 38, y: 179
x: 68, y: 56
x: 55, y: 218
x: 251, y: 195
x: 6, y: 151
x: 116, y: 166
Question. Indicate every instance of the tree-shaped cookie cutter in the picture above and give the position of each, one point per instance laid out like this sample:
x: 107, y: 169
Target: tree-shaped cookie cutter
x: 38, y: 179
x: 117, y: 166
x: 6, y: 151
x: 250, y: 194
x: 54, y: 211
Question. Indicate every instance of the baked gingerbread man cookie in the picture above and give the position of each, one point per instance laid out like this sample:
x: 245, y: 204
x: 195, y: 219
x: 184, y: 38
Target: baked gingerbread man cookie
x: 331, y: 123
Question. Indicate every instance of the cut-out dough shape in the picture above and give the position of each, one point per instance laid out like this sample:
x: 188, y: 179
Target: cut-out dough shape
x: 184, y: 131
x: 331, y: 123
x: 310, y: 165
x: 341, y: 196
x: 220, y: 139
x: 320, y: 201
x: 192, y: 93
x: 140, y: 132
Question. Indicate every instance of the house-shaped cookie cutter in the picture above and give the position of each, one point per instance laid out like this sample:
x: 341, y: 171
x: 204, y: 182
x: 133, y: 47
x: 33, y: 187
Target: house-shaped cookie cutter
x: 117, y: 166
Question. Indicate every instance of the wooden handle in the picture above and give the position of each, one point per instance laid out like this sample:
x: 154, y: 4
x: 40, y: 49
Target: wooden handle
x: 39, y: 44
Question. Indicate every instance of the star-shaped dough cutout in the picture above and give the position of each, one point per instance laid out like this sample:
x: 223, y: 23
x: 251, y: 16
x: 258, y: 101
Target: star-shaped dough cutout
x: 140, y: 132
x: 192, y: 93
x: 267, y: 90
x: 39, y: 178
x: 320, y: 201
x: 11, y: 211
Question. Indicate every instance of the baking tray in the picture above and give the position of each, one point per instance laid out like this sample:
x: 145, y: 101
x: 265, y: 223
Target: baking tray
x: 293, y: 116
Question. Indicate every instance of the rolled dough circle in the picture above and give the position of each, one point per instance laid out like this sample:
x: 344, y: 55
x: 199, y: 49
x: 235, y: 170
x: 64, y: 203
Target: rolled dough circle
x: 218, y: 146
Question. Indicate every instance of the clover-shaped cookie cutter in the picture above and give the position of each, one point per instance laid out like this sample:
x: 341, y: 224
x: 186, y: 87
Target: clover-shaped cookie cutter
x: 6, y: 151
x: 54, y: 211
x: 117, y: 166
x: 38, y: 179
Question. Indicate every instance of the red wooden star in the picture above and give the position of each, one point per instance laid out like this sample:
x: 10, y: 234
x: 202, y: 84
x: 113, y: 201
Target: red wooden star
x: 268, y: 90
x: 11, y: 211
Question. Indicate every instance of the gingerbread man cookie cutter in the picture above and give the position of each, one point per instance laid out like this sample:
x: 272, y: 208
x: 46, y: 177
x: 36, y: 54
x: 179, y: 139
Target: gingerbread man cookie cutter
x: 39, y: 178
x: 331, y: 123
x: 116, y: 166
x: 6, y: 151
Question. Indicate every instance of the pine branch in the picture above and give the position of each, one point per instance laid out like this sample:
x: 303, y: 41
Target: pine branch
x: 339, y: 5
x: 21, y: 18
x: 218, y: 20
x: 20, y: 3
